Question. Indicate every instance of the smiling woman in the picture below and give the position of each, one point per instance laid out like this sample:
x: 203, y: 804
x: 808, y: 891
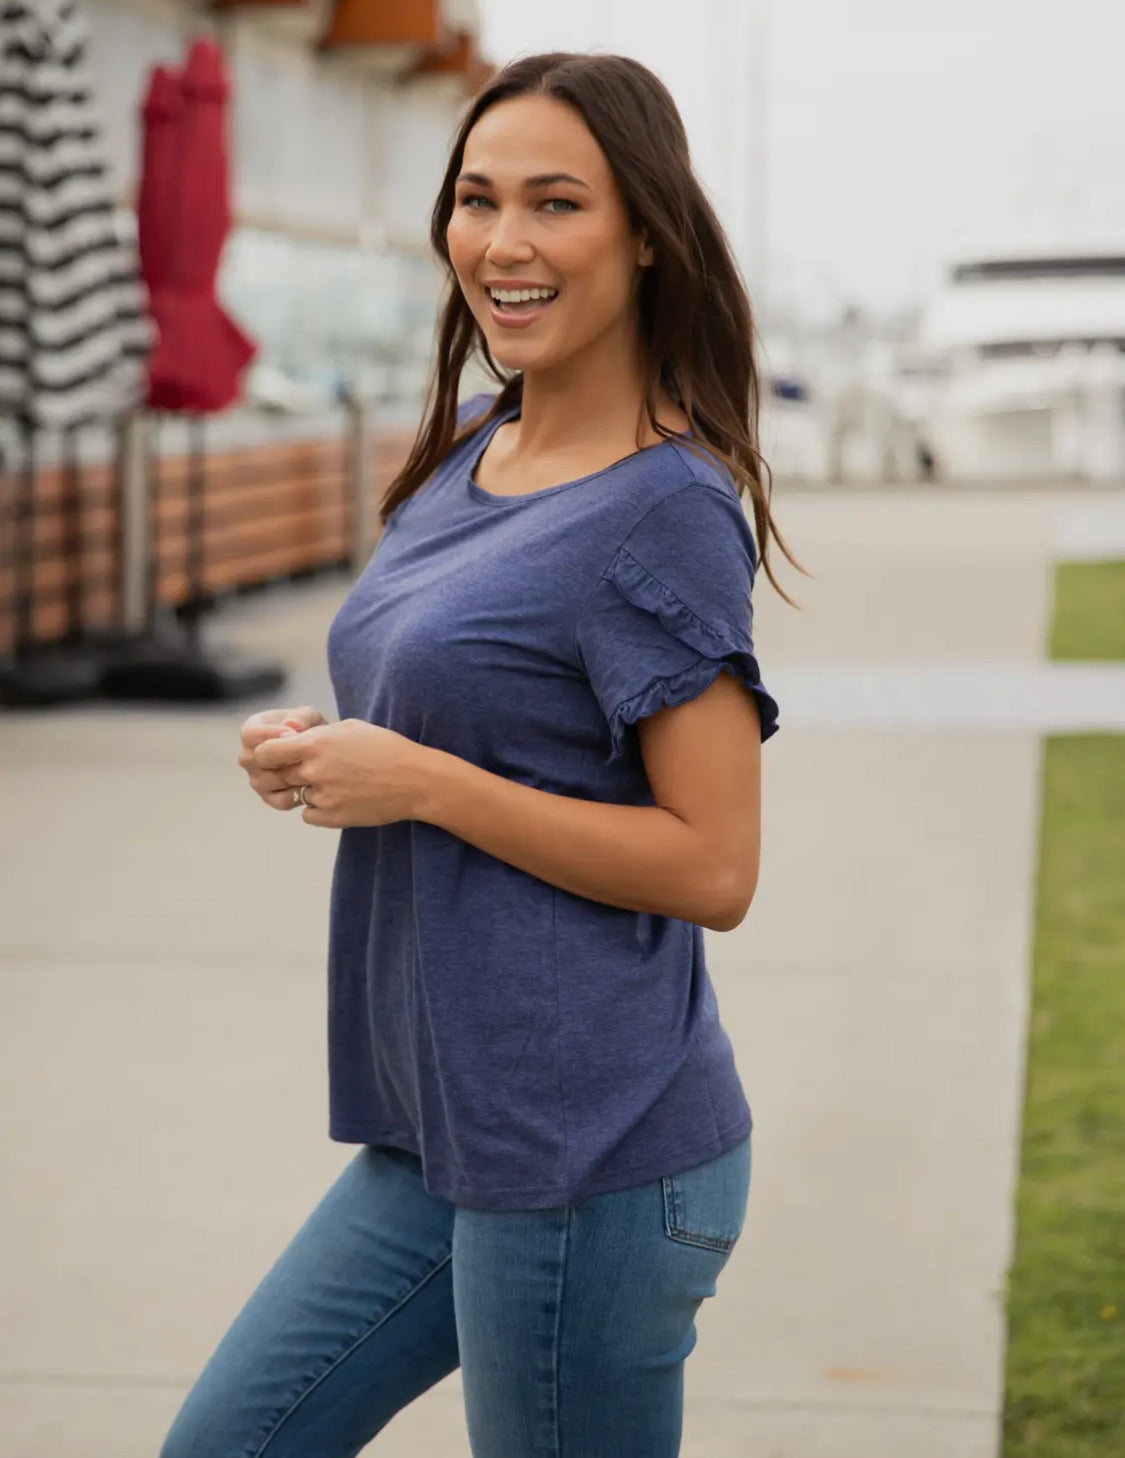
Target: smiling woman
x: 547, y: 781
x: 580, y: 165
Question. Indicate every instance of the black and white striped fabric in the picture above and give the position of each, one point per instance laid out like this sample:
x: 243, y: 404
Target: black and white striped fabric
x: 74, y: 325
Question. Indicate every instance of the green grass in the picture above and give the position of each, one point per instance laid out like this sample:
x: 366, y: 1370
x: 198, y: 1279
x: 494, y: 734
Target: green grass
x: 1066, y: 1299
x: 1089, y: 610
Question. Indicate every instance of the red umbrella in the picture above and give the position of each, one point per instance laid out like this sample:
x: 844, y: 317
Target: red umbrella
x: 202, y: 352
x: 158, y: 217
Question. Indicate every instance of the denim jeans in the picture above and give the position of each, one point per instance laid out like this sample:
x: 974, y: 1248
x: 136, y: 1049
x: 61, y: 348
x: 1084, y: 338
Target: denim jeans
x: 570, y: 1325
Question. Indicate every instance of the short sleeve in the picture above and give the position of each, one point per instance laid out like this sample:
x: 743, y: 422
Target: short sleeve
x: 673, y: 610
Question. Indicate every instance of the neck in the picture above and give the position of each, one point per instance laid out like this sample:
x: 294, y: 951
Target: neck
x: 600, y: 390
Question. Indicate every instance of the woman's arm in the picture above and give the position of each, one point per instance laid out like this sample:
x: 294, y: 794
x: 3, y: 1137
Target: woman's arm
x: 694, y: 855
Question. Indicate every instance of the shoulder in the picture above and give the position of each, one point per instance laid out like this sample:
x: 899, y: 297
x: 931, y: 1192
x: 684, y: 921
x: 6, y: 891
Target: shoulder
x: 692, y: 510
x: 701, y: 466
x: 471, y: 412
x: 662, y: 472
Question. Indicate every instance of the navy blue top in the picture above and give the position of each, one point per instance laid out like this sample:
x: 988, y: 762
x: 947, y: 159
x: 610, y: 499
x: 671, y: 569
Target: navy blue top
x: 532, y: 1046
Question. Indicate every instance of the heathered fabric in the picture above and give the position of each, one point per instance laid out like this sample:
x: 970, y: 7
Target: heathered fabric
x: 532, y: 1046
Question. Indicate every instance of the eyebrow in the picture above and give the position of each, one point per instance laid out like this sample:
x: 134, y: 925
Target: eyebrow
x: 541, y: 179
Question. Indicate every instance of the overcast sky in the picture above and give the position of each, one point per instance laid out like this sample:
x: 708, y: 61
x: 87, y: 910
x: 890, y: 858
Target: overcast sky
x: 897, y: 133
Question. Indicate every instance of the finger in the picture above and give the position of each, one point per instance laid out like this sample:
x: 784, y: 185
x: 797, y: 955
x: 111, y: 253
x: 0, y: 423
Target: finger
x: 280, y: 799
x: 249, y: 763
x: 275, y: 753
x: 266, y: 782
x: 257, y: 734
x: 302, y: 718
x: 265, y: 717
x: 270, y: 722
x: 320, y: 818
x: 257, y: 774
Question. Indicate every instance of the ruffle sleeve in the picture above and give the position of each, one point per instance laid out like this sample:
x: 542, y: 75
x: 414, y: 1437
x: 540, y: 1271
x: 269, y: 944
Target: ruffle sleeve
x: 672, y: 611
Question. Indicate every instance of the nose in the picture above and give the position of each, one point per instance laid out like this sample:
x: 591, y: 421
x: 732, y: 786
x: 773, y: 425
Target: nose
x: 508, y: 243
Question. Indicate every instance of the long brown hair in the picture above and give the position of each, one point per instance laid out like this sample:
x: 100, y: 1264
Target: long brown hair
x: 696, y: 322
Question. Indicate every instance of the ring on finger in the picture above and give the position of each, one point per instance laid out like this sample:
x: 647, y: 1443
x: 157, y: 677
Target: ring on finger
x: 300, y: 797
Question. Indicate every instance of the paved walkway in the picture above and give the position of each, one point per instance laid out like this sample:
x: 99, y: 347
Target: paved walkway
x: 162, y: 1090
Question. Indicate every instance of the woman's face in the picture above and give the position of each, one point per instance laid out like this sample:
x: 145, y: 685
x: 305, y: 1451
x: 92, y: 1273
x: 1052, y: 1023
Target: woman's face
x: 537, y: 209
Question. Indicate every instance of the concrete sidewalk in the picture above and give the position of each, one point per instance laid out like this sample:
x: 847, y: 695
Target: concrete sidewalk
x: 162, y: 1032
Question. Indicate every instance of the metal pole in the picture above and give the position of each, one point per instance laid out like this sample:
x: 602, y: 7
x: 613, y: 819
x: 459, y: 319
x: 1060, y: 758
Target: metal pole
x: 23, y: 541
x: 153, y: 473
x: 71, y: 513
x: 137, y: 539
x: 195, y: 527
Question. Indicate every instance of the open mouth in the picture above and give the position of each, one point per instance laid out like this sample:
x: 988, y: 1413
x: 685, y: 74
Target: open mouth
x: 520, y: 303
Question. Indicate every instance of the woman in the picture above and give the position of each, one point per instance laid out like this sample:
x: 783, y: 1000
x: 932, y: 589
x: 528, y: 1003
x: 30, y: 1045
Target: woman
x: 546, y: 775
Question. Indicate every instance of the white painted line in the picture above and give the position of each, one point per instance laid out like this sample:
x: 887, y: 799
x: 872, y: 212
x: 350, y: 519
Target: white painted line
x: 1093, y: 532
x: 1049, y: 698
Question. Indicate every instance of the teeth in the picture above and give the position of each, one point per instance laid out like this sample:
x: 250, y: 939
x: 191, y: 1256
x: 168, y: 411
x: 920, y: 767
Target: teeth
x: 521, y: 296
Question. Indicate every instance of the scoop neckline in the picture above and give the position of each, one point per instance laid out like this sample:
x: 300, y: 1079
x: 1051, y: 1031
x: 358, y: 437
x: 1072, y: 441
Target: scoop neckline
x: 496, y: 498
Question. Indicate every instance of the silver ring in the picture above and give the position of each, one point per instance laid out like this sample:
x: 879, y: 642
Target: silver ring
x: 299, y: 796
x: 303, y: 796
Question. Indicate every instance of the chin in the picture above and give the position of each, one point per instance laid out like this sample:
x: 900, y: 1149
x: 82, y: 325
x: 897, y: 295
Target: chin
x: 509, y: 356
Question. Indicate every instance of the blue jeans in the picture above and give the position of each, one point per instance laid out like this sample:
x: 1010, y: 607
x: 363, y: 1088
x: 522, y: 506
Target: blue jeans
x: 570, y: 1325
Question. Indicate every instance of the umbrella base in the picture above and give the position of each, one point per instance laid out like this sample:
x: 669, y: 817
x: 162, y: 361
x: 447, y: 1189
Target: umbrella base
x: 41, y: 677
x: 182, y: 670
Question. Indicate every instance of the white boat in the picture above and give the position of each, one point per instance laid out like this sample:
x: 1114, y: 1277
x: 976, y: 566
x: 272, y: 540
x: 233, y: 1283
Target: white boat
x: 1031, y: 346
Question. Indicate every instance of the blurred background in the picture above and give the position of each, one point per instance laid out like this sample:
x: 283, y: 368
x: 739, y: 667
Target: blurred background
x: 216, y: 327
x: 928, y: 207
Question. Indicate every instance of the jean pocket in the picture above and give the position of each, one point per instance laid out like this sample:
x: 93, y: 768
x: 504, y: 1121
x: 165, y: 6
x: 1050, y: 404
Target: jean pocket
x: 706, y: 1205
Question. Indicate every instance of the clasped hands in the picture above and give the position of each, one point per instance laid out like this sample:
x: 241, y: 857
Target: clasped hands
x: 354, y: 773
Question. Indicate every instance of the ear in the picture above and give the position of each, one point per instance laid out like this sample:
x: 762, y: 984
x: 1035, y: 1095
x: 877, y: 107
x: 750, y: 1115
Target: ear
x: 645, y: 256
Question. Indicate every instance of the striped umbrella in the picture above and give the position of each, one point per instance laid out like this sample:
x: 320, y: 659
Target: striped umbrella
x: 74, y: 327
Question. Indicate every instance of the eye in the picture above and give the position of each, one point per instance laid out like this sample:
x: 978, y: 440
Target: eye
x: 470, y: 199
x: 564, y: 204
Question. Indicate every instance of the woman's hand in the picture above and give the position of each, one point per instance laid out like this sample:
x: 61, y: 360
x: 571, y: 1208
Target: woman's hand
x: 273, y: 788
x: 354, y: 773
